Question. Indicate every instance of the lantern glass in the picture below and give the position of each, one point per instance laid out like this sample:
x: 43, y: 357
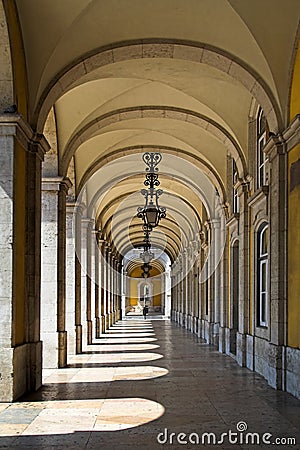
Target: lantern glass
x: 151, y: 214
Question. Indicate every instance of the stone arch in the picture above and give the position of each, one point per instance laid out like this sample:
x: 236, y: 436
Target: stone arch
x: 14, y: 63
x: 142, y: 112
x: 203, y: 165
x: 154, y: 48
x: 6, y: 70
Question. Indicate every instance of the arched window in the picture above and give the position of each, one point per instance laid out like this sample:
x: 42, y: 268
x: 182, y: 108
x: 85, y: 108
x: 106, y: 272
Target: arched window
x: 262, y: 132
x: 262, y: 275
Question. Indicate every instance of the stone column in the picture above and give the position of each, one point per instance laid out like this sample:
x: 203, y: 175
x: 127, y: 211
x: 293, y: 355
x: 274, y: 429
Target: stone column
x: 181, y: 289
x: 97, y: 291
x: 185, y: 289
x: 113, y: 287
x: 70, y: 278
x: 188, y: 270
x: 276, y: 151
x: 21, y: 154
x: 195, y: 286
x: 210, y: 284
x: 53, y: 277
x: 119, y: 290
x: 78, y: 324
x: 223, y: 287
x: 110, y: 287
x: 89, y: 281
x: 173, y: 295
x: 216, y: 243
x: 178, y: 294
x: 107, y: 290
x: 123, y: 292
x: 102, y: 285
x: 243, y: 192
x: 37, y: 147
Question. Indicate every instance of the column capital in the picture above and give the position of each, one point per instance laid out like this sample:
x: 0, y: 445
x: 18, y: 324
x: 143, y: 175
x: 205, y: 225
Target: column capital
x: 15, y: 125
x: 292, y: 133
x: 56, y: 184
x: 87, y: 222
x: 79, y: 208
x: 39, y: 145
x: 242, y: 186
x: 276, y: 145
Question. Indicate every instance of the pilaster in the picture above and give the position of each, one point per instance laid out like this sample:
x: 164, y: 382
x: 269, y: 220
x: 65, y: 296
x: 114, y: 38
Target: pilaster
x: 21, y: 154
x: 78, y: 289
x: 276, y: 152
x: 243, y: 320
x: 70, y: 278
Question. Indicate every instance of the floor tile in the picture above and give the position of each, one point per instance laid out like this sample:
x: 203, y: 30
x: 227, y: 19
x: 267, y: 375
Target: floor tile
x: 139, y: 380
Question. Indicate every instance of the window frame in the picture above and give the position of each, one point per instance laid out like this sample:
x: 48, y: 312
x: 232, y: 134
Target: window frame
x: 235, y: 196
x: 262, y: 277
x: 261, y: 157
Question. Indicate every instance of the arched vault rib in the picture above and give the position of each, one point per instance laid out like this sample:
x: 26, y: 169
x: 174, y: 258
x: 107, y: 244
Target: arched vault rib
x: 144, y: 112
x: 202, y: 164
x: 156, y: 48
x: 124, y: 221
x: 134, y: 175
x: 171, y: 249
x: 117, y: 200
x: 134, y: 264
x: 169, y: 233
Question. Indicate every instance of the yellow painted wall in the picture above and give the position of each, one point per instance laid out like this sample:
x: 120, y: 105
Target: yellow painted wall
x: 295, y: 90
x: 228, y: 278
x: 294, y: 223
x: 136, y: 278
x: 19, y: 243
x: 293, y: 256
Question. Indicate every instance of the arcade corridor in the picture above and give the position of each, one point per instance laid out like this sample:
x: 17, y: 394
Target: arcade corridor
x: 137, y: 381
x: 149, y: 164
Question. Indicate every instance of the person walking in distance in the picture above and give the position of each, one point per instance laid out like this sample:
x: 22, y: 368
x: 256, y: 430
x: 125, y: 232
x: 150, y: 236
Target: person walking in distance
x: 145, y: 311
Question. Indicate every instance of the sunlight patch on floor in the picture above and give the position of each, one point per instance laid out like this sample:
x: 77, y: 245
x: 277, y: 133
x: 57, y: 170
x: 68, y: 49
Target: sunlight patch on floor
x: 63, y: 417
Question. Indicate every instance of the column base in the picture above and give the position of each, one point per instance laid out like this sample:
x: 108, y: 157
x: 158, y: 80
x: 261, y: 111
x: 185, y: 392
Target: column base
x: 103, y: 324
x: 62, y: 348
x: 97, y: 327
x: 89, y: 326
x: 78, y: 332
x: 276, y: 375
x: 222, y: 337
x: 209, y: 332
x: 241, y: 349
x: 195, y: 325
x: 199, y: 333
x: 24, y: 362
x: 35, y: 369
x: 292, y: 374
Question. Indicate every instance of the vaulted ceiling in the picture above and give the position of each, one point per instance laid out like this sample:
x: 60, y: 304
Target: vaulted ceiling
x: 176, y: 76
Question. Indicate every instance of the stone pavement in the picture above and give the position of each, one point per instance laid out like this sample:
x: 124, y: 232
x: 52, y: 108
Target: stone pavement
x: 145, y: 379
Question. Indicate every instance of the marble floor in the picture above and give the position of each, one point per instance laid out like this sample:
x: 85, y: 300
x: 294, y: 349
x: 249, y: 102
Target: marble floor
x: 148, y: 384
